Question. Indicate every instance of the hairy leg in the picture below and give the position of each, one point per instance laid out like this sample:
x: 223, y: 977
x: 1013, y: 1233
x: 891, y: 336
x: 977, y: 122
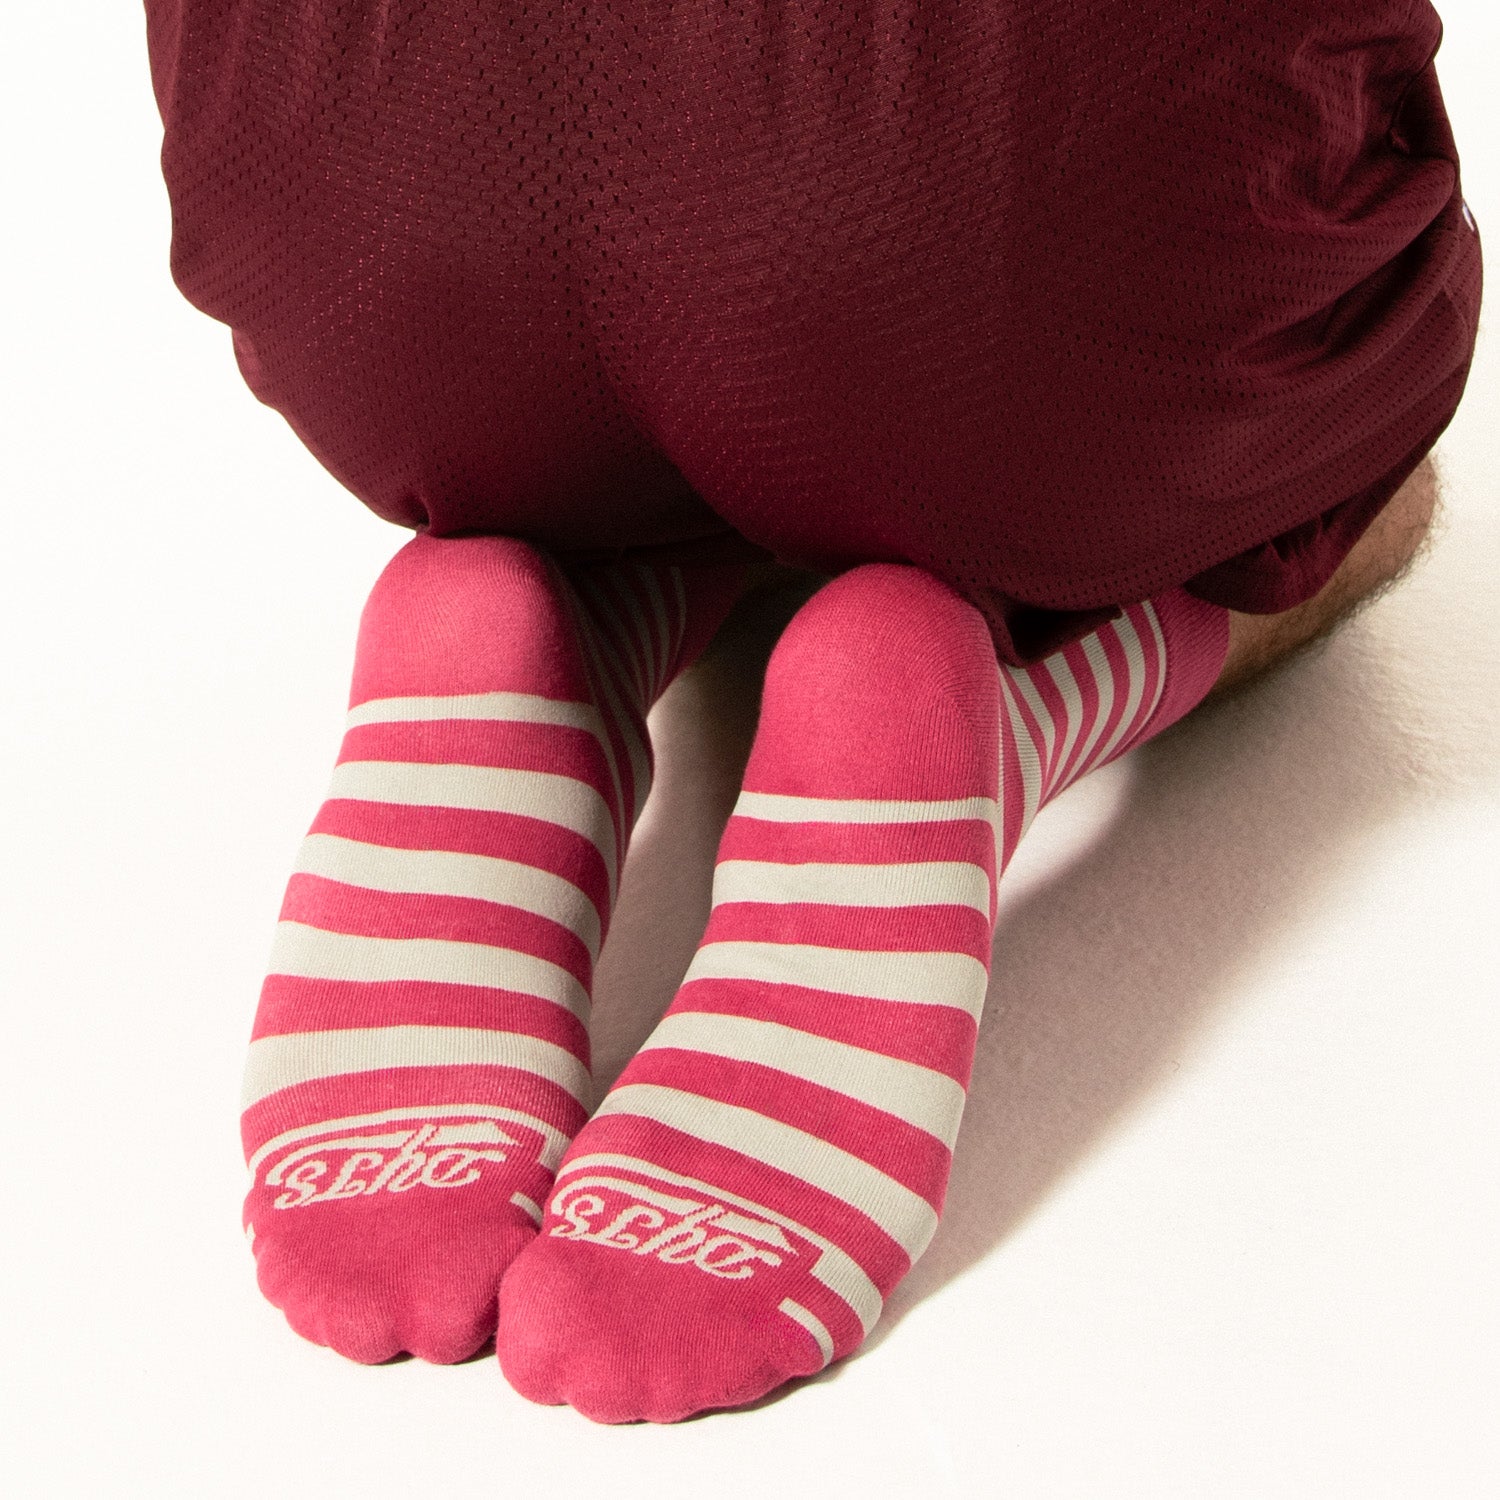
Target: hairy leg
x: 1382, y: 557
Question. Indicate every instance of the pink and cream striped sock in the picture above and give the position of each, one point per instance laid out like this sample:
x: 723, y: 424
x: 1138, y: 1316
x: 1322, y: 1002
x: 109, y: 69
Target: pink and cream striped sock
x: 774, y: 1159
x: 420, y: 1056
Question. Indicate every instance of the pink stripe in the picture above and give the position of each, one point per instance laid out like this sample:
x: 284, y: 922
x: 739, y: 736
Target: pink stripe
x: 467, y: 593
x: 1012, y: 783
x: 335, y: 907
x: 615, y: 660
x: 628, y: 641
x: 530, y: 841
x: 1197, y: 636
x: 1047, y: 690
x: 602, y: 674
x: 870, y: 639
x: 626, y: 585
x: 833, y: 1312
x: 932, y: 1036
x: 530, y: 747
x: 1089, y: 696
x: 290, y: 1004
x: 660, y: 629
x: 858, y: 843
x: 1119, y: 668
x: 1143, y: 713
x: 1032, y: 726
x: 608, y: 661
x: 347, y: 1094
x: 880, y: 1257
x: 870, y: 929
x: 912, y: 1157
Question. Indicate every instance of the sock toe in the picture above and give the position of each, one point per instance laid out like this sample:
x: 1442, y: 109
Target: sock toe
x: 437, y: 1303
x: 620, y: 1340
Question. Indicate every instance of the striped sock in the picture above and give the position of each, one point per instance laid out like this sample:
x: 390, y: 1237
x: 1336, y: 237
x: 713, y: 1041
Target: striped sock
x: 420, y: 1056
x: 774, y: 1159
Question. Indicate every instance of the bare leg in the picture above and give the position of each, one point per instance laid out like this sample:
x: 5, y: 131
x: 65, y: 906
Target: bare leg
x: 1380, y: 559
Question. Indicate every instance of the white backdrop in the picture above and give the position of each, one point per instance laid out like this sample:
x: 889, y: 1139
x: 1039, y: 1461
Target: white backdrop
x: 1224, y: 1214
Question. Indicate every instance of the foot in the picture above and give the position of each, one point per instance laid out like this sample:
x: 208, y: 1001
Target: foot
x: 420, y: 1056
x: 774, y: 1160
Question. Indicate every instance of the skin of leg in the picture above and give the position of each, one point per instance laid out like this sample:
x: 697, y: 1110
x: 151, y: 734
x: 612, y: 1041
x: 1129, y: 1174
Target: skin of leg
x: 1381, y: 558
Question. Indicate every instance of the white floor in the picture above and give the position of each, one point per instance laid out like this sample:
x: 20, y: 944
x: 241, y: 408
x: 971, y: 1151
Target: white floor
x: 1225, y: 1210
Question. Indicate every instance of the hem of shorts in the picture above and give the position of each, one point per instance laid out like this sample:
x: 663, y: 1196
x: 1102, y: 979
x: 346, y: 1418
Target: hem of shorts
x: 1249, y: 583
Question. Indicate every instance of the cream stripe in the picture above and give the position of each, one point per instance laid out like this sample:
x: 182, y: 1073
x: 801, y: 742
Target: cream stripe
x: 516, y: 708
x: 926, y: 883
x: 1021, y: 679
x: 998, y: 829
x: 556, y: 1141
x: 583, y: 633
x: 1159, y: 692
x: 774, y: 808
x: 1026, y: 750
x: 562, y: 800
x: 280, y: 1062
x: 1104, y: 689
x: 652, y: 645
x: 811, y: 1323
x: 626, y: 608
x: 659, y: 611
x: 621, y: 642
x: 1135, y: 662
x: 1072, y: 696
x: 835, y: 1269
x: 610, y: 678
x: 311, y: 953
x: 434, y: 872
x: 952, y: 979
x: 528, y: 1206
x: 904, y: 1215
x: 922, y: 1097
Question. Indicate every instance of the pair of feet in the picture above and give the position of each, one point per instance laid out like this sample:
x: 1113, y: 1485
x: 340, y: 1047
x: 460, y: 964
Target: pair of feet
x: 426, y: 1170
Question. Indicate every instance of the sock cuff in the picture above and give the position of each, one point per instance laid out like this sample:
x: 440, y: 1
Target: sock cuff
x: 1197, y: 639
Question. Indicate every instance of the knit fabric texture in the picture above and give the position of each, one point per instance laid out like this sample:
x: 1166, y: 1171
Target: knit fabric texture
x: 1067, y: 304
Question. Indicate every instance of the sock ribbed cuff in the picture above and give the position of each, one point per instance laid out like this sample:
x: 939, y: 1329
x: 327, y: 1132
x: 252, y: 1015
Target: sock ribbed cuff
x: 1197, y: 637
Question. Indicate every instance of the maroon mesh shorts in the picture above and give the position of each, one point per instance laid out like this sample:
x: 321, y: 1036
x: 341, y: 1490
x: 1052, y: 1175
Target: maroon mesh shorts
x: 1066, y: 303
